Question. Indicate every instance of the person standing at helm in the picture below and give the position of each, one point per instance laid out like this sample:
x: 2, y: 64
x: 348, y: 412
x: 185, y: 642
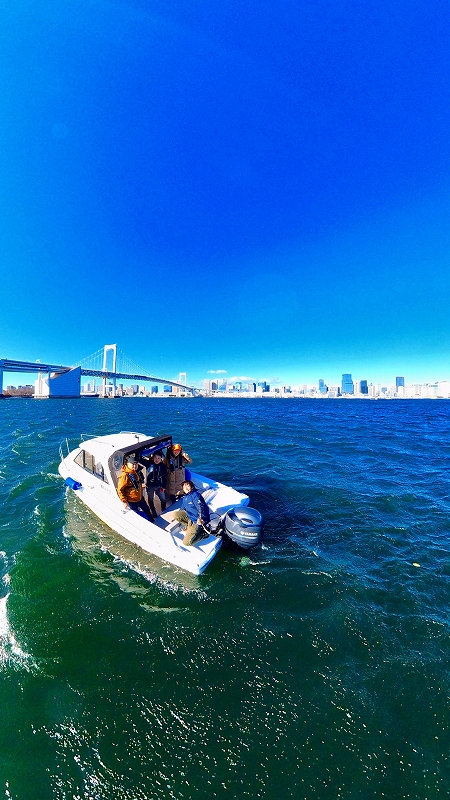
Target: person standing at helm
x: 175, y: 462
x: 129, y: 488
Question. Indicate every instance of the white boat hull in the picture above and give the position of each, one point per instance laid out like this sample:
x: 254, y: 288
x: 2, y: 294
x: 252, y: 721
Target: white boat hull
x: 164, y: 536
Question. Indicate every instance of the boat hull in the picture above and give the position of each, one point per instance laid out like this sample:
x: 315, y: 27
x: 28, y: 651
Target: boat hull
x: 162, y: 537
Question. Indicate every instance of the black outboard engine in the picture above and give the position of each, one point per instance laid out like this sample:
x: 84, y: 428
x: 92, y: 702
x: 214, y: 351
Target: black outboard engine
x: 243, y: 525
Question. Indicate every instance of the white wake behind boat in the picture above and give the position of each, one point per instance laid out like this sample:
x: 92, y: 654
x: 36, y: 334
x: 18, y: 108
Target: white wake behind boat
x: 93, y: 469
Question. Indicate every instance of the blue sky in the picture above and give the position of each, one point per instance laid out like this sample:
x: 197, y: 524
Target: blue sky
x: 259, y: 188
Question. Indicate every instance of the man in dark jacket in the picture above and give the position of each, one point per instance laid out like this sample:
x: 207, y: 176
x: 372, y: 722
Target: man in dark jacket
x: 193, y: 514
x: 156, y: 482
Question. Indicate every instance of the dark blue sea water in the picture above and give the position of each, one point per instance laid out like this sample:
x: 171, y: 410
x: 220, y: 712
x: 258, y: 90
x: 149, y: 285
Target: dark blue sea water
x: 317, y: 666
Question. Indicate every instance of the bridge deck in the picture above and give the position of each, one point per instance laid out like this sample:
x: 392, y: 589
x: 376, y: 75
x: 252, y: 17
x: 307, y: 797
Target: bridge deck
x: 11, y: 365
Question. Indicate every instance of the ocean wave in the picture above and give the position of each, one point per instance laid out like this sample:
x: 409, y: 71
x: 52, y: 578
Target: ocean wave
x: 11, y: 654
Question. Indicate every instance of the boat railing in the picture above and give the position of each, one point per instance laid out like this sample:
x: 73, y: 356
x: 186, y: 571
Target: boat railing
x: 64, y: 446
x: 86, y: 436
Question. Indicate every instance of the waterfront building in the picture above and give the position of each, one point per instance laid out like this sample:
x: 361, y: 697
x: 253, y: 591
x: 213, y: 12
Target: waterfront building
x: 364, y: 389
x: 347, y: 384
x: 323, y: 388
x: 399, y: 382
x: 62, y: 384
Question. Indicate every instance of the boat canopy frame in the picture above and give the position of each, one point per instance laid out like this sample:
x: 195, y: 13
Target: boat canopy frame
x: 147, y: 446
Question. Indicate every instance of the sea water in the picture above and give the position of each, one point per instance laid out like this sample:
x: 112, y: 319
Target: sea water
x: 315, y: 666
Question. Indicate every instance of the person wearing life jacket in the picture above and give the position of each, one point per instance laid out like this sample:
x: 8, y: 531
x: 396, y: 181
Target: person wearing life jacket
x: 129, y: 488
x: 175, y: 462
x: 194, y: 513
x: 156, y: 482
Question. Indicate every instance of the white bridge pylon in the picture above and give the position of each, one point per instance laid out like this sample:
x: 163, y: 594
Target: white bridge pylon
x: 109, y: 348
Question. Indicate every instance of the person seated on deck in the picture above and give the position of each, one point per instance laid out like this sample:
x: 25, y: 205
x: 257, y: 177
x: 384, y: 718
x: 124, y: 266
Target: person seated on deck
x: 156, y: 482
x: 129, y: 488
x: 194, y: 513
x: 175, y: 462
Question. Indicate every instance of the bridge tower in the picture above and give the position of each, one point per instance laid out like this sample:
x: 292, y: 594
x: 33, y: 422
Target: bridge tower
x: 109, y: 348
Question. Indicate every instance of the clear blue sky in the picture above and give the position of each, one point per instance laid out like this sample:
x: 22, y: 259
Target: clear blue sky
x: 256, y: 187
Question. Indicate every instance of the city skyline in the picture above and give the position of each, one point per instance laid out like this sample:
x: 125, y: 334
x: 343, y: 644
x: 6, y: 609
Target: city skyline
x: 275, y: 380
x: 245, y: 386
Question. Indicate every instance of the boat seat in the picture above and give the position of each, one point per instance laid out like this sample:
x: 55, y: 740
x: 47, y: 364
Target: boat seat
x: 209, y: 494
x: 174, y: 526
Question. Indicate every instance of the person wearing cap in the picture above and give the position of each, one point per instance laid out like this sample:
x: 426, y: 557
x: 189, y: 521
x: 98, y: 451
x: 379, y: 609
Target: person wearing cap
x: 193, y: 515
x: 175, y: 462
x: 130, y: 486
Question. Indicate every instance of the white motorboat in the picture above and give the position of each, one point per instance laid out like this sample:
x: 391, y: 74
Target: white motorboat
x: 92, y: 471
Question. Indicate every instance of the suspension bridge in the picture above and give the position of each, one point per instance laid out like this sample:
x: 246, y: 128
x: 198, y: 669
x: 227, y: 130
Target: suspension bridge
x: 109, y: 364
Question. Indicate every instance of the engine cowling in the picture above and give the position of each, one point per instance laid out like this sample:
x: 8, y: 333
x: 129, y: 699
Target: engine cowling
x: 244, y: 526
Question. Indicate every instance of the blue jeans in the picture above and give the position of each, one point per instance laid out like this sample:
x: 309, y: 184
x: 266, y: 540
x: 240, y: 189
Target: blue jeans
x: 159, y: 492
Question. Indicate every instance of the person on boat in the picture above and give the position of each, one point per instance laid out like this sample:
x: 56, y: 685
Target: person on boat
x: 175, y: 462
x: 194, y: 513
x: 156, y: 482
x: 130, y: 488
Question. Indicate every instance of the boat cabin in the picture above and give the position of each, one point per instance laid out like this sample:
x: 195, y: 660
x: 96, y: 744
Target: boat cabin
x: 106, y: 455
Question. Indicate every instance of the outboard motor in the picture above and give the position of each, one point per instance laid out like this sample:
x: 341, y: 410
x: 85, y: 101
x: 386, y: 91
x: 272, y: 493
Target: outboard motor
x: 243, y: 525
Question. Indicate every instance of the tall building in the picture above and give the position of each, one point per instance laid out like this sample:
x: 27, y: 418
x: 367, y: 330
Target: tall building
x: 399, y: 382
x: 323, y: 388
x: 347, y: 384
x: 364, y: 389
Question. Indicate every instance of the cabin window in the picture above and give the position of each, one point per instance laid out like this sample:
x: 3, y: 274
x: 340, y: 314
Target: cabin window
x: 88, y: 462
x: 118, y: 461
x: 100, y: 472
